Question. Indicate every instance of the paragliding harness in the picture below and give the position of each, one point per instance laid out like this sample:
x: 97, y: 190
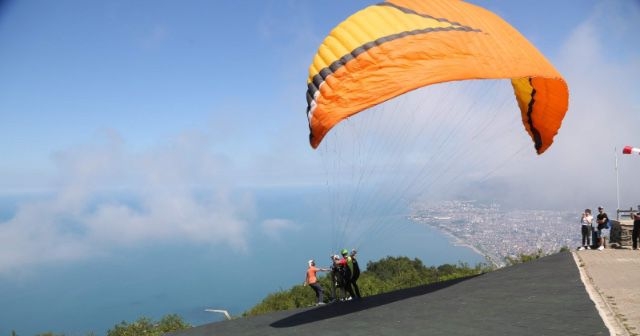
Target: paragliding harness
x: 342, y: 274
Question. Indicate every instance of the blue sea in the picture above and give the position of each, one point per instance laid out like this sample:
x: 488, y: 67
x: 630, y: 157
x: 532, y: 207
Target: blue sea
x: 94, y: 295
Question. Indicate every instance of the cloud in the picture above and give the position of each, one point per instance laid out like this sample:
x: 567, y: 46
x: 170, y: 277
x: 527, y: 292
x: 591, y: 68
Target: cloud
x: 450, y: 139
x: 600, y: 66
x: 275, y: 228
x: 108, y: 198
x: 154, y: 37
x: 580, y: 168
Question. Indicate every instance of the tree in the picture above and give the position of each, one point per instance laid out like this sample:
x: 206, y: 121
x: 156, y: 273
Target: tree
x: 172, y: 322
x: 523, y: 258
x: 146, y: 326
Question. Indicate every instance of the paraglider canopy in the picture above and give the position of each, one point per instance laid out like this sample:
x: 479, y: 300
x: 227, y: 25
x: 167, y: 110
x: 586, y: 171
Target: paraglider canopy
x: 394, y: 47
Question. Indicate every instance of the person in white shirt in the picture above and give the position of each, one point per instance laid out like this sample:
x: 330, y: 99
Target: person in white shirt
x: 586, y: 222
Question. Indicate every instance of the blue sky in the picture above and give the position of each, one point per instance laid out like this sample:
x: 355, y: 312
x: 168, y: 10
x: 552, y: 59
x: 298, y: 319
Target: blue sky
x: 161, y: 98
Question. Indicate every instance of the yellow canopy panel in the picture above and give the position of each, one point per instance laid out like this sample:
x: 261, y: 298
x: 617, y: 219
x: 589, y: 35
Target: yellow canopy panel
x: 397, y: 46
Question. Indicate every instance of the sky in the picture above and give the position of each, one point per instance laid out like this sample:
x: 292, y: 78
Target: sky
x: 187, y: 108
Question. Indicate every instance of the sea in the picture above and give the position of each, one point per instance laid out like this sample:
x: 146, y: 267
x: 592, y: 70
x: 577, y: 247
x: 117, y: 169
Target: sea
x: 93, y: 295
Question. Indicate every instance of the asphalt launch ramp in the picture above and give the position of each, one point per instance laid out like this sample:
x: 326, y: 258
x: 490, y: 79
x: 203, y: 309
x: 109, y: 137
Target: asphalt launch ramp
x: 542, y: 297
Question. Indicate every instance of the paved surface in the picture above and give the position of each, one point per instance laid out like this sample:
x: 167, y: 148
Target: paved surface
x: 612, y: 278
x: 543, y: 297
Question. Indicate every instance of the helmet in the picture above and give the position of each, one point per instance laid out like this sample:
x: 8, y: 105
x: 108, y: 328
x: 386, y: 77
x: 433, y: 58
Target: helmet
x: 310, y: 262
x: 344, y: 251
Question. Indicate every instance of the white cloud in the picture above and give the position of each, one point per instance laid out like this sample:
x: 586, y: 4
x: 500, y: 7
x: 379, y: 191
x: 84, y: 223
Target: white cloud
x: 454, y: 146
x: 600, y: 65
x: 601, y: 72
x: 154, y: 37
x: 108, y: 198
x: 275, y: 228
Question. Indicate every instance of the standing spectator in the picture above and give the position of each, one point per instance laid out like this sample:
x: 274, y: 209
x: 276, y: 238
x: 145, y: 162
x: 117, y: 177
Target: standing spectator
x: 312, y: 280
x: 635, y: 235
x: 603, y: 220
x: 586, y: 221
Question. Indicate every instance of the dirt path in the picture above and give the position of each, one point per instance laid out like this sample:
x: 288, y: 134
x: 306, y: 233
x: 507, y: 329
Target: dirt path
x: 612, y: 279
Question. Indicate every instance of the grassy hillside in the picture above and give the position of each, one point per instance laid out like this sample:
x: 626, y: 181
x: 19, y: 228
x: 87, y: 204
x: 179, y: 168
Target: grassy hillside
x: 385, y: 275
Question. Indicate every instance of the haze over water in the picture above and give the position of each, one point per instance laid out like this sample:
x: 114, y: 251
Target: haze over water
x: 165, y: 101
x: 94, y: 295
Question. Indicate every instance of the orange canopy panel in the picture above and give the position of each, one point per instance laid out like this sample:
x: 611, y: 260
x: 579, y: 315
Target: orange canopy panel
x: 397, y: 46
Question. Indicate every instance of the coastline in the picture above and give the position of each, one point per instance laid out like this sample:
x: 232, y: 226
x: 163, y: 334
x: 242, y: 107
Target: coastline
x: 457, y: 241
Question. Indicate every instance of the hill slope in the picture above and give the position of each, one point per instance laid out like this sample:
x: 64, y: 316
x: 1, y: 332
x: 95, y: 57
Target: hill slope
x: 543, y: 297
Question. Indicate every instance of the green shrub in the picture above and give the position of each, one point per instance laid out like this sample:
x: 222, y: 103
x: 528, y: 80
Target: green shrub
x: 385, y: 275
x: 146, y: 326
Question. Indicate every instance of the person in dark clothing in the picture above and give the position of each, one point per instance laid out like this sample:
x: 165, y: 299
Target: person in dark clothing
x: 602, y: 219
x: 355, y: 273
x: 635, y: 234
x: 336, y: 278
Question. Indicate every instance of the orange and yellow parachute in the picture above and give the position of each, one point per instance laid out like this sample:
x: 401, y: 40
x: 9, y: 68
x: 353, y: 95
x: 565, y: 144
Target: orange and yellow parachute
x: 397, y: 46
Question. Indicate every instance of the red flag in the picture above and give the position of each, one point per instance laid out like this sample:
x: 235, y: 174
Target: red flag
x: 630, y: 150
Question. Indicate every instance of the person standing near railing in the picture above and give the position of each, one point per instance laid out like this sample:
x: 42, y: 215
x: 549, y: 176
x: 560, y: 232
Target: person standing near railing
x: 602, y: 219
x: 585, y: 222
x: 635, y: 234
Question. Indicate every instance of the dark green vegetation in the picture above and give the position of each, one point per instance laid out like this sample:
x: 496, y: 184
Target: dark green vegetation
x: 143, y: 326
x: 522, y: 258
x: 385, y: 275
